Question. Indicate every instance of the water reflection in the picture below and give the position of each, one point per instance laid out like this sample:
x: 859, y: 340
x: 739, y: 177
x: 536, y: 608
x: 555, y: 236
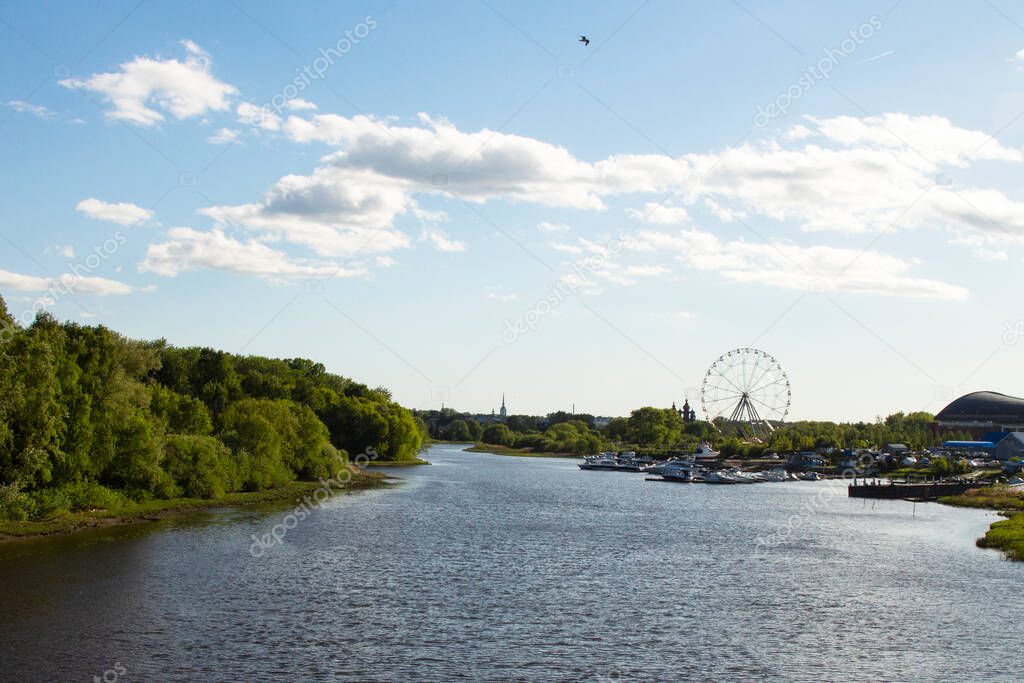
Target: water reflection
x: 491, y: 568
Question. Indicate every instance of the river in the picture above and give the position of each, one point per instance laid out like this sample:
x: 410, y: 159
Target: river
x: 491, y: 568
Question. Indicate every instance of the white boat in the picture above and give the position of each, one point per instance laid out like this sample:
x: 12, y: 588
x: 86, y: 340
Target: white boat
x: 685, y: 476
x: 776, y: 475
x: 599, y: 462
x: 720, y: 477
x: 810, y: 476
x: 610, y: 462
x: 705, y: 451
x: 742, y: 477
x: 672, y: 467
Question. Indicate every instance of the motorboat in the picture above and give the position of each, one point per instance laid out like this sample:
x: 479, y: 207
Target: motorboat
x: 705, y: 452
x: 672, y: 467
x: 683, y: 476
x: 742, y: 477
x: 810, y: 476
x: 719, y: 477
x: 610, y: 462
x: 603, y: 461
x: 776, y: 475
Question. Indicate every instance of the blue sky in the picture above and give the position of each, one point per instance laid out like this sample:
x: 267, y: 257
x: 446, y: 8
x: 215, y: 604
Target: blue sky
x: 634, y: 208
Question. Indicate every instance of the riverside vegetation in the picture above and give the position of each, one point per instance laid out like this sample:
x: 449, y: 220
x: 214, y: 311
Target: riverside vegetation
x: 660, y: 431
x: 92, y: 423
x: 1006, y: 535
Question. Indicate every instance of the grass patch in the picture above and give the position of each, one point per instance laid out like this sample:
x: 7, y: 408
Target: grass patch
x: 397, y: 463
x: 988, y: 498
x: 150, y: 510
x: 1008, y: 536
x: 520, y: 452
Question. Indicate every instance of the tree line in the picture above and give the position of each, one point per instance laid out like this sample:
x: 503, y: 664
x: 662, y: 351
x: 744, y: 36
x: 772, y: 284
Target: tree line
x: 664, y: 430
x: 89, y: 418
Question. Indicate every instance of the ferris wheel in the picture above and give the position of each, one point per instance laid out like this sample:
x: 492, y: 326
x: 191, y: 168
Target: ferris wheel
x: 747, y: 387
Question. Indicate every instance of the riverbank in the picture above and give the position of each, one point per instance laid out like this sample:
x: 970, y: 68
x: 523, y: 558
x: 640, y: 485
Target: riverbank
x: 153, y: 510
x: 1006, y: 535
x: 520, y: 452
x: 397, y: 463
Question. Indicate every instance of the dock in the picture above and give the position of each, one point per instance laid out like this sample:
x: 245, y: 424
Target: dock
x: 918, y: 492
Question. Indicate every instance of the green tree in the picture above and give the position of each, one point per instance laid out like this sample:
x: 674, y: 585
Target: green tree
x: 498, y: 434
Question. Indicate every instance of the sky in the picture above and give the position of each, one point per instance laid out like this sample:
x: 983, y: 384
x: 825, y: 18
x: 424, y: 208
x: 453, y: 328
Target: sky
x: 459, y: 201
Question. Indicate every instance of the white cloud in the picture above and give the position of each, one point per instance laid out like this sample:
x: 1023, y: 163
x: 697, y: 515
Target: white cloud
x: 145, y: 85
x: 800, y: 268
x: 660, y: 213
x: 258, y: 117
x: 188, y: 249
x: 99, y: 286
x: 484, y: 165
x: 644, y: 271
x: 122, y: 213
x: 840, y: 174
x: 985, y: 246
x: 573, y: 249
x: 990, y: 255
x: 384, y: 261
x: 223, y: 136
x: 494, y: 296
x: 553, y: 227
x: 29, y: 108
x: 65, y: 250
x: 441, y: 241
x: 334, y: 212
x: 935, y: 137
x: 299, y: 104
x: 432, y: 217
x: 1018, y: 57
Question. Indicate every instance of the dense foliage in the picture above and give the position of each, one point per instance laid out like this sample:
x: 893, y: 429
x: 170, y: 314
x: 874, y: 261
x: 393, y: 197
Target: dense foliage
x: 88, y: 418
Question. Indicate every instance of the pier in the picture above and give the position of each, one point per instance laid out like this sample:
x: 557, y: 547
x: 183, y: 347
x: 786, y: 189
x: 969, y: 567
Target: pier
x: 906, y: 491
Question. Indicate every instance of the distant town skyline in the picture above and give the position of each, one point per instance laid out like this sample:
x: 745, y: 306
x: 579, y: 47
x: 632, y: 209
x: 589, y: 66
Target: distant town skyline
x: 446, y: 199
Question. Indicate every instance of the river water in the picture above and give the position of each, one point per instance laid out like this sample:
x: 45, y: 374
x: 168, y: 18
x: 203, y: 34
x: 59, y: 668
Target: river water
x: 490, y: 568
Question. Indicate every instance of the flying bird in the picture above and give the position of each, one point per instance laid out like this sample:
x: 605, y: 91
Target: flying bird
x: 584, y: 40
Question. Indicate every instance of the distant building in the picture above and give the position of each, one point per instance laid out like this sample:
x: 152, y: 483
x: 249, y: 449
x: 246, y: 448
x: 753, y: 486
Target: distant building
x: 806, y: 459
x: 1010, y: 446
x: 981, y: 412
x: 602, y: 422
x: 686, y: 412
x: 500, y: 416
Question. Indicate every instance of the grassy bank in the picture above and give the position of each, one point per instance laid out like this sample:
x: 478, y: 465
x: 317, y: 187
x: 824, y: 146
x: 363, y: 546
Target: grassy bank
x: 397, y: 463
x: 1006, y: 535
x: 521, y: 452
x: 151, y: 510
